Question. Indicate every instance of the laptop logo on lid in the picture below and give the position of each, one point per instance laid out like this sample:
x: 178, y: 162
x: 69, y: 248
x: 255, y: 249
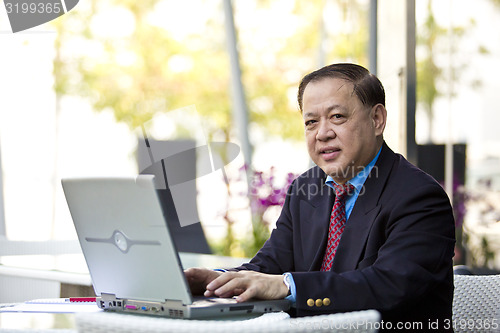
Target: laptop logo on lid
x: 121, y: 241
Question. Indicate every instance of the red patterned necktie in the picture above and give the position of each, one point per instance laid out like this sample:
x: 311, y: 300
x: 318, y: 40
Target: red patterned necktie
x: 337, y: 223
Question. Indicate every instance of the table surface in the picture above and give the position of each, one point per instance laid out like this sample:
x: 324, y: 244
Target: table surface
x: 72, y: 269
x: 37, y: 321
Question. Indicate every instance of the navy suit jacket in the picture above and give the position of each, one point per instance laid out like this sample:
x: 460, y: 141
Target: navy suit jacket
x: 395, y: 254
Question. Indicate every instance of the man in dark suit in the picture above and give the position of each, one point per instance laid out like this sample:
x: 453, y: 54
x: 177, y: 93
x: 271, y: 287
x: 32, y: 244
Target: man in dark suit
x: 397, y: 237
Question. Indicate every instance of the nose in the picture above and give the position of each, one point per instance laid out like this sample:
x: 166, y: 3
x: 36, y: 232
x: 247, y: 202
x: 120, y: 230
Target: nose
x: 325, y: 131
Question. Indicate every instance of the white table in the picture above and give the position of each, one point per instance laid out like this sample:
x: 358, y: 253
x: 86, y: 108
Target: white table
x: 67, y: 275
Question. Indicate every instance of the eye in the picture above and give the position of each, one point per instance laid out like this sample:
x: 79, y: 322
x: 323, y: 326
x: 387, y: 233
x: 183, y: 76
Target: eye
x: 310, y: 122
x: 338, y: 118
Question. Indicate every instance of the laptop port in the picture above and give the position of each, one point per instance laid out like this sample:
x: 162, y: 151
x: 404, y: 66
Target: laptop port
x: 241, y: 308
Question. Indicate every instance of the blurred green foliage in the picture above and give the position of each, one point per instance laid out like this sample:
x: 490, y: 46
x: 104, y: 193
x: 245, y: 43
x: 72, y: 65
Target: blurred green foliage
x: 145, y: 68
x: 435, y: 42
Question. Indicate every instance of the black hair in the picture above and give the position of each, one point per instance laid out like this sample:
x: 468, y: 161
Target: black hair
x: 367, y: 86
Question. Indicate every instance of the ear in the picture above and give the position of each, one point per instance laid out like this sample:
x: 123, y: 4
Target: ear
x: 379, y: 118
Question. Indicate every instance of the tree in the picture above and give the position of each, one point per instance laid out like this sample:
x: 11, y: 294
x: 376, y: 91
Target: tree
x: 142, y: 71
x: 434, y: 41
x: 140, y: 68
x: 427, y: 70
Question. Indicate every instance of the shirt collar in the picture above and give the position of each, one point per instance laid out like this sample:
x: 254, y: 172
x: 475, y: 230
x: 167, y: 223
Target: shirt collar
x: 358, y: 180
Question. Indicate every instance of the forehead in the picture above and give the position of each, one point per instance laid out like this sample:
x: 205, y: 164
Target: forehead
x: 329, y: 92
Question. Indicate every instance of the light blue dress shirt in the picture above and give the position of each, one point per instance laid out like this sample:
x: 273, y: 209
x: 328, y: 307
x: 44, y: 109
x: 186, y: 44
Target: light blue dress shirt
x: 358, y: 182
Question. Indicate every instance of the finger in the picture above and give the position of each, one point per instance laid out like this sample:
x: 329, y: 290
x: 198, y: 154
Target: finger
x: 221, y: 280
x: 208, y: 293
x: 233, y: 287
x: 246, y: 295
x: 232, y: 293
x: 214, y: 285
x: 238, y: 291
x: 229, y: 294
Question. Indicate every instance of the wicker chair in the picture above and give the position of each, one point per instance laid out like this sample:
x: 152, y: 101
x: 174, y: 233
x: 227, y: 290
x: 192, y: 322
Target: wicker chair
x: 476, y: 303
x: 361, y: 322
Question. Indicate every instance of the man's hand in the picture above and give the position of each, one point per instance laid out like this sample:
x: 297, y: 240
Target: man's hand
x: 247, y: 285
x: 198, y: 278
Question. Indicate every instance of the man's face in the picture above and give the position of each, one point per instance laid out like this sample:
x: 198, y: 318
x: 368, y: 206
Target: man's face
x: 340, y: 131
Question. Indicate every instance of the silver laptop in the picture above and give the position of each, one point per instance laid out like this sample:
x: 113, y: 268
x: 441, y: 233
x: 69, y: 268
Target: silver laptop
x: 131, y: 257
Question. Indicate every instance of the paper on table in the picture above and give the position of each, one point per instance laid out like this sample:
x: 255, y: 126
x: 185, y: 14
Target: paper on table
x: 53, y: 305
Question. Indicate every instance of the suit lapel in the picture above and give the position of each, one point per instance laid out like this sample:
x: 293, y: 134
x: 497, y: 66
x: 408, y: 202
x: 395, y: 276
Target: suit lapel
x: 321, y: 216
x: 366, y: 209
x: 315, y: 213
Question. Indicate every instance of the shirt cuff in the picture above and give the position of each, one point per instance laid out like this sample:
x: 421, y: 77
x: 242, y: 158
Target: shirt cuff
x: 220, y: 270
x: 293, y: 291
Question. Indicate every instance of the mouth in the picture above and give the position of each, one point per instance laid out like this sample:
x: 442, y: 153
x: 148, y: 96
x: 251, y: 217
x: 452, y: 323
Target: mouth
x: 329, y: 153
x: 329, y: 150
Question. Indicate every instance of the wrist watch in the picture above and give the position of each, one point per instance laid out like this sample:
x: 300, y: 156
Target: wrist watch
x: 286, y: 281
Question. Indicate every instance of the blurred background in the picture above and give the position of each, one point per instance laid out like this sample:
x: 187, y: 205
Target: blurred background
x: 75, y: 93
